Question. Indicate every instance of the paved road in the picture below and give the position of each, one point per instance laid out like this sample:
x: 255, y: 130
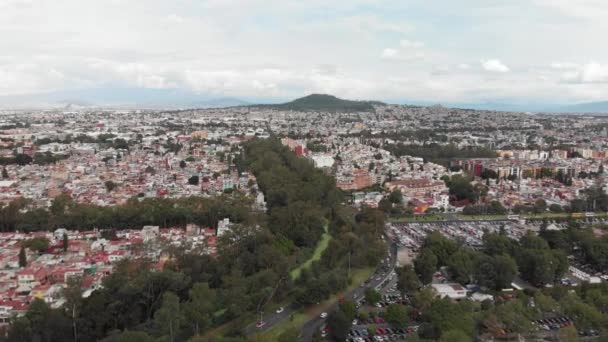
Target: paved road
x: 271, y: 320
x: 312, y: 326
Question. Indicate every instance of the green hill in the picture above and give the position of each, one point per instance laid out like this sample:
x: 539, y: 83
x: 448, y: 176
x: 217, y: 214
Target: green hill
x: 326, y: 103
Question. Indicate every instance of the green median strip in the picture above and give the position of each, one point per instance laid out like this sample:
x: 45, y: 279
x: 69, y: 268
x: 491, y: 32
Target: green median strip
x: 321, y: 247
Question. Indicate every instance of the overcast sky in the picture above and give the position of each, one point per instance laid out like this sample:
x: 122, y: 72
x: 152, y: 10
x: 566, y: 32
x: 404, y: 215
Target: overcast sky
x: 425, y: 50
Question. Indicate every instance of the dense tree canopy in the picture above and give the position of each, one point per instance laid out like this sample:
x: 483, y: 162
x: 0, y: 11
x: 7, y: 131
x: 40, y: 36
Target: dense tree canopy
x: 196, y: 292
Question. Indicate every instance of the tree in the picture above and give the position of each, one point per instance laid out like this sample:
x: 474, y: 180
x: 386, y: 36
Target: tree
x: 385, y: 205
x: 407, y: 280
x: 38, y: 315
x: 73, y: 301
x: 461, y: 265
x: 22, y: 257
x: 540, y: 206
x: 199, y: 310
x: 495, y: 272
x: 182, y: 164
x: 193, y: 180
x: 169, y: 316
x: 497, y: 244
x: 66, y: 242
x: 423, y: 299
x: 442, y: 247
x: 461, y: 189
x: 110, y: 186
x: 372, y: 296
x: 396, y: 315
x: 542, y: 266
x: 20, y: 330
x: 349, y: 308
x: 444, y: 315
x: 454, y: 336
x: 568, y: 334
x: 425, y: 266
x: 4, y: 173
x: 132, y: 336
x: 37, y: 244
x: 396, y: 197
x: 338, y: 325
x: 23, y: 159
x: 488, y: 173
x: 506, y: 269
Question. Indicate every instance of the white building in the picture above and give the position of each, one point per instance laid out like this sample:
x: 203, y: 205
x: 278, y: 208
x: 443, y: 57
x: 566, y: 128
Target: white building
x: 322, y: 161
x: 150, y: 232
x: 223, y: 226
x: 453, y: 291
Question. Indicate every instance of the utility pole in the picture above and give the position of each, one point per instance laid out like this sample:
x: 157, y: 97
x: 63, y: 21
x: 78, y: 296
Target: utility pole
x: 74, y: 322
x: 349, y: 264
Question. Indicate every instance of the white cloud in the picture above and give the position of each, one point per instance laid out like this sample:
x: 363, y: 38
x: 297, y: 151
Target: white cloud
x: 588, y: 73
x: 174, y: 18
x: 563, y: 65
x: 389, y: 53
x: 588, y: 9
x: 372, y: 23
x: 408, y: 50
x: 409, y: 44
x: 289, y: 47
x: 495, y: 65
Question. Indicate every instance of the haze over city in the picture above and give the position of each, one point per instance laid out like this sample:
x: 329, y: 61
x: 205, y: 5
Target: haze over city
x: 527, y: 54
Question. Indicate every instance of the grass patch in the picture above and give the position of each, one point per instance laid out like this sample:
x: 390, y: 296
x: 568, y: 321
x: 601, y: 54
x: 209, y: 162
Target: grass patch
x: 321, y: 247
x: 417, y: 218
x: 482, y: 217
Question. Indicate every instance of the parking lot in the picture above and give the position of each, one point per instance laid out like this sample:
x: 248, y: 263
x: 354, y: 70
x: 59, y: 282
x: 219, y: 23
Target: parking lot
x: 360, y: 334
x: 374, y: 327
x: 412, y: 235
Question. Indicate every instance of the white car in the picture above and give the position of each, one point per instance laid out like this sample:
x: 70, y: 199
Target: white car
x: 279, y: 310
x: 323, y: 314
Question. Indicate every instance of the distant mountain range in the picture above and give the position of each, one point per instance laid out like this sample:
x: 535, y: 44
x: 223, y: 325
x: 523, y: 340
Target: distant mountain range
x: 120, y: 97
x: 590, y: 107
x: 124, y: 97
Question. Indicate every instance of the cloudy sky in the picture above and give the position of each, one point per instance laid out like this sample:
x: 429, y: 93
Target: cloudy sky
x: 549, y: 51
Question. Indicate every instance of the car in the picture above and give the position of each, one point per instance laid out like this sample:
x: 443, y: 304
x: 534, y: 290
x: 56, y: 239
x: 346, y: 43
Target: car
x: 355, y: 322
x: 323, y: 314
x: 281, y: 309
x: 260, y: 324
